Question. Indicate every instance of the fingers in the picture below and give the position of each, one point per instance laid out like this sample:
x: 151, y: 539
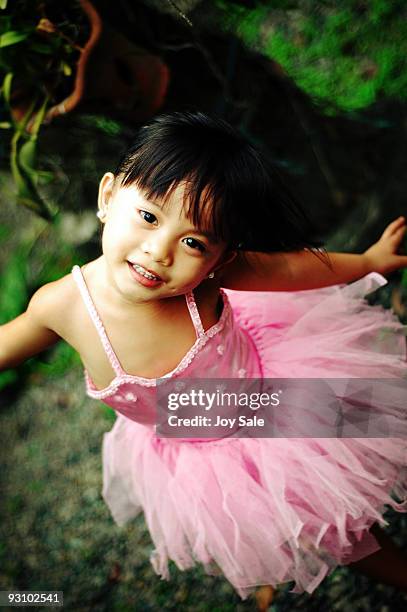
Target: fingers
x: 394, y: 226
x: 399, y: 231
x: 397, y: 237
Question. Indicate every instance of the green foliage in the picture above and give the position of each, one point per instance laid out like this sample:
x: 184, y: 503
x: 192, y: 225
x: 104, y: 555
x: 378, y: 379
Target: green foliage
x: 344, y: 55
x: 33, y: 48
x: 108, y: 413
x: 15, y: 292
x: 63, y: 358
x: 4, y: 233
x: 12, y: 37
x: 13, y: 284
x: 102, y: 123
x: 23, y: 157
x: 13, y: 298
x: 37, y: 61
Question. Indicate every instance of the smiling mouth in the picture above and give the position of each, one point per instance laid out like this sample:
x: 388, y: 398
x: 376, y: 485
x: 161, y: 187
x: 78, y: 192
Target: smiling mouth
x: 144, y: 272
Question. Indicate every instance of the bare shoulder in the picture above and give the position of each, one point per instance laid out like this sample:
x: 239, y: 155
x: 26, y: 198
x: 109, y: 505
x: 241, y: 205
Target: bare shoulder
x: 53, y: 305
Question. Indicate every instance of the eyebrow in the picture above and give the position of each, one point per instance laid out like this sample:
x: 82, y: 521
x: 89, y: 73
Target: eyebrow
x: 210, y: 237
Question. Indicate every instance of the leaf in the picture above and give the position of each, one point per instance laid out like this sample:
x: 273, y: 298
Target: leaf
x: 3, y: 4
x: 67, y: 70
x: 27, y: 153
x: 45, y: 177
x: 39, y: 118
x: 21, y: 162
x: 6, y: 88
x: 26, y: 158
x: 11, y: 38
x: 25, y: 190
x: 22, y: 124
x: 5, y: 125
x: 41, y: 48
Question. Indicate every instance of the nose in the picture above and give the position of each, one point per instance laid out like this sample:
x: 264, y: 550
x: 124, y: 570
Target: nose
x: 159, y: 249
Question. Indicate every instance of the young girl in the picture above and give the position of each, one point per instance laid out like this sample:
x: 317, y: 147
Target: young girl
x: 191, y: 208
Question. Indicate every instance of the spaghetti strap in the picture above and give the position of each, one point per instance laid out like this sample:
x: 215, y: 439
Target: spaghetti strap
x: 193, y: 311
x: 111, y: 355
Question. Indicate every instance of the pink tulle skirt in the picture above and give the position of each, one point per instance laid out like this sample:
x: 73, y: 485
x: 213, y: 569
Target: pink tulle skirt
x: 272, y: 510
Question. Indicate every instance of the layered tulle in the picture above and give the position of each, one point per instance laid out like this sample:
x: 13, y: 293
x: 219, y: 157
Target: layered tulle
x: 262, y: 511
x: 272, y: 510
x: 323, y: 333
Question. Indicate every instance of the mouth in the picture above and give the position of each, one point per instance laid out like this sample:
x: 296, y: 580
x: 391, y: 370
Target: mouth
x: 144, y: 276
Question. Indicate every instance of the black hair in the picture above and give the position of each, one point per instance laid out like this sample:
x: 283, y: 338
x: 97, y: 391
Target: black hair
x: 249, y: 206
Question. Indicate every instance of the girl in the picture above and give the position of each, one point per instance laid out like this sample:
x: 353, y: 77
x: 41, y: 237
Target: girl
x: 191, y: 208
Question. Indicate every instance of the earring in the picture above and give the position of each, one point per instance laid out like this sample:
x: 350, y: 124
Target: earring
x: 211, y: 275
x: 101, y: 214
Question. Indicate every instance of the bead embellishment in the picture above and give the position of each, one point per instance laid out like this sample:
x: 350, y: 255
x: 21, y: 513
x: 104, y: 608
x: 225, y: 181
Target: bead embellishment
x: 131, y: 396
x: 220, y: 349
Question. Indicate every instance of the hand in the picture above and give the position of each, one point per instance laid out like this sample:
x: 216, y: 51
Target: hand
x: 382, y: 256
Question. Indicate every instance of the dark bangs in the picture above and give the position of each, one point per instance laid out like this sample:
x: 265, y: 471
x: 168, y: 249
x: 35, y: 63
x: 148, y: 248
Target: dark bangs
x: 231, y: 189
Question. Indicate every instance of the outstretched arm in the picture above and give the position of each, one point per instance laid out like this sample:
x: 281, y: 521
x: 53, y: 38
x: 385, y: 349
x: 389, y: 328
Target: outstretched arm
x: 30, y: 333
x: 310, y: 270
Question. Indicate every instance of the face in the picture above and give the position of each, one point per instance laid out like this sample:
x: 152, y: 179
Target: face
x: 153, y: 252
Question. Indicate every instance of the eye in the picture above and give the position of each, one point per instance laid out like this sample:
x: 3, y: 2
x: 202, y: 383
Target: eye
x: 147, y: 216
x: 194, y: 244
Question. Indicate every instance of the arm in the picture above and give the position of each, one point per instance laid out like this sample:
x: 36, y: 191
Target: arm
x: 310, y: 270
x: 30, y: 333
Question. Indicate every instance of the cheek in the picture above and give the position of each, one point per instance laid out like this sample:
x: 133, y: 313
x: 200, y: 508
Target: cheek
x: 108, y: 239
x: 199, y: 275
x: 117, y: 233
x: 190, y: 270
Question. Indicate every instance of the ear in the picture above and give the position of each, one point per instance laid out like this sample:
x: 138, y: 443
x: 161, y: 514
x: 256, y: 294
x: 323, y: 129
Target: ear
x: 105, y: 193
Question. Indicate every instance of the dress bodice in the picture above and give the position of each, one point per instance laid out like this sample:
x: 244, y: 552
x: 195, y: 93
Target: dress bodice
x: 223, y: 351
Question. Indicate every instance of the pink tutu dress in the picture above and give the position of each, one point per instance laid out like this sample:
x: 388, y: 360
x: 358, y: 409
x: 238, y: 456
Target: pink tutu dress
x: 260, y: 510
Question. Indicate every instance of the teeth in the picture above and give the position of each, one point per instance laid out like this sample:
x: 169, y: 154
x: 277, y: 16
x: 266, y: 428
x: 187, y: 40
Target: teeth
x: 141, y: 270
